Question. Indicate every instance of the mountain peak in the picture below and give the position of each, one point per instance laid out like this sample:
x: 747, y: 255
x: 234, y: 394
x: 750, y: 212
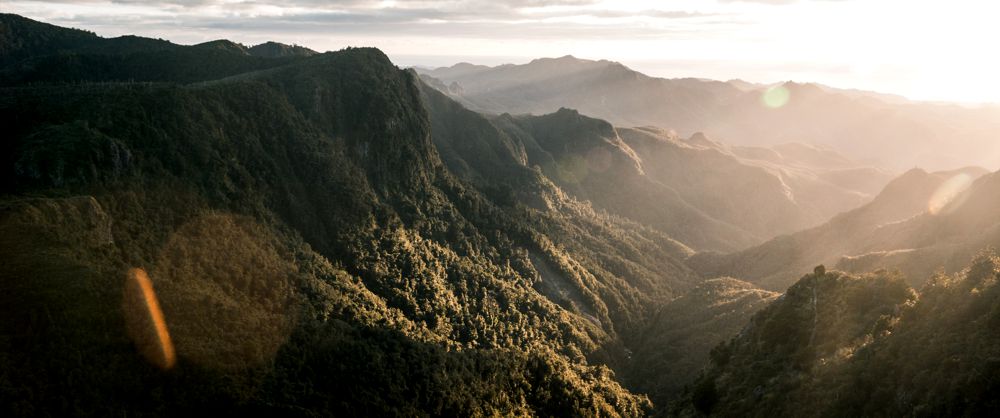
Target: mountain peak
x: 701, y: 139
x: 565, y: 111
x: 271, y: 49
x: 565, y: 59
x: 224, y: 45
x: 802, y: 88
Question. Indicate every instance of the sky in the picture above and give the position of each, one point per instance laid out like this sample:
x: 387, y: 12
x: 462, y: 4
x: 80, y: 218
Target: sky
x: 923, y: 50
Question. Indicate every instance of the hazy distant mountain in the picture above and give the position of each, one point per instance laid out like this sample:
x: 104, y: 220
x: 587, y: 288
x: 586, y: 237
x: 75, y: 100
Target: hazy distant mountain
x: 765, y: 191
x: 696, y: 190
x: 879, y: 129
x: 895, y: 230
x: 587, y: 158
x: 602, y: 89
x: 940, y: 239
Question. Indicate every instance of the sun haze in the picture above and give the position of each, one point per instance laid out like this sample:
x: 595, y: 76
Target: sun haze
x: 919, y: 49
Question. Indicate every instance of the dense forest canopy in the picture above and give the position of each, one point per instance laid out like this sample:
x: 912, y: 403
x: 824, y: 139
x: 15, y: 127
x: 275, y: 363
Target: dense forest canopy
x: 218, y: 228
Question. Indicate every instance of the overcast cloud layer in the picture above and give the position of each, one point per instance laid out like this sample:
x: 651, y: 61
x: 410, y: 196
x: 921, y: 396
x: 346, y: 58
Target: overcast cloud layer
x: 921, y: 49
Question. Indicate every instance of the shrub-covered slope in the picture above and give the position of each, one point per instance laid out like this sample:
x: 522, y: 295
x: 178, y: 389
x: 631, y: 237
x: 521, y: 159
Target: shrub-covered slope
x: 674, y: 347
x: 312, y: 253
x: 843, y: 345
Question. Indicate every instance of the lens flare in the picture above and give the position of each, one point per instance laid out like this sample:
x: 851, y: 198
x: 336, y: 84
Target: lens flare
x: 144, y: 320
x: 228, y: 286
x: 947, y: 197
x: 775, y: 97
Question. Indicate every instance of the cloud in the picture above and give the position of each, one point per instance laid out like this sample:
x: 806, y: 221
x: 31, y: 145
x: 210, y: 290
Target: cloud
x: 760, y: 1
x: 339, y: 4
x: 514, y: 19
x: 776, y: 2
x: 495, y: 10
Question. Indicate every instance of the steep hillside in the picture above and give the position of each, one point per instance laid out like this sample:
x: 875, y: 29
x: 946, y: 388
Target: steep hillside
x: 311, y: 251
x: 21, y: 38
x: 882, y: 130
x: 867, y: 235
x: 673, y: 345
x: 674, y: 348
x: 696, y: 190
x: 842, y: 345
x: 587, y: 158
x: 767, y: 192
x: 954, y: 228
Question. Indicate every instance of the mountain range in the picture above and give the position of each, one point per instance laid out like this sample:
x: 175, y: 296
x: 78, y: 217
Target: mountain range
x: 270, y: 230
x: 880, y: 130
x: 704, y: 193
x: 900, y: 229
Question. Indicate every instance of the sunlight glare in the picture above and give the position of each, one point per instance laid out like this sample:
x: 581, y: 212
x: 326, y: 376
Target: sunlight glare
x: 944, y: 198
x: 145, y: 322
x: 775, y: 97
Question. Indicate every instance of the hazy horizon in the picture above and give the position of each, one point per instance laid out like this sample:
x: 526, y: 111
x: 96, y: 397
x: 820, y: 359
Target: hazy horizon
x: 884, y: 46
x: 652, y: 68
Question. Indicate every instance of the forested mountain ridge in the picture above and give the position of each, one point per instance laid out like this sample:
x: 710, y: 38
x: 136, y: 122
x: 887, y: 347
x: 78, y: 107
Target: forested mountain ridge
x: 674, y: 347
x: 844, y: 345
x: 35, y: 52
x: 310, y: 249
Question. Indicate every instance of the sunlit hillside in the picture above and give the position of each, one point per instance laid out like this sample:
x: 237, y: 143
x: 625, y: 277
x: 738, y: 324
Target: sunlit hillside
x: 701, y: 208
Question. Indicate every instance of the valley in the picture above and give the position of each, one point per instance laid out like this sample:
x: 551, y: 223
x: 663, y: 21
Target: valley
x: 330, y: 234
